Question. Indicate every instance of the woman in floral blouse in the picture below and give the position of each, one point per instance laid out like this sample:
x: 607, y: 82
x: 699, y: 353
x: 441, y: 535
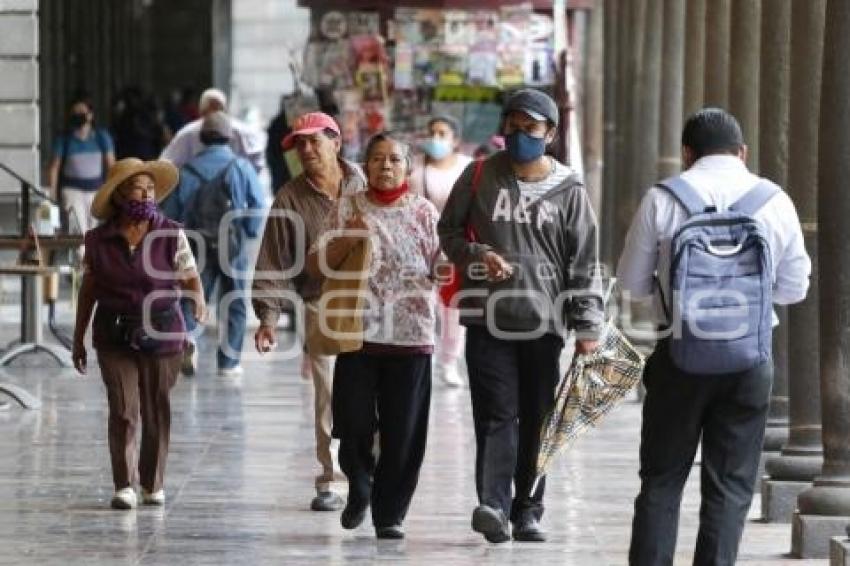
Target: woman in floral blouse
x: 385, y: 386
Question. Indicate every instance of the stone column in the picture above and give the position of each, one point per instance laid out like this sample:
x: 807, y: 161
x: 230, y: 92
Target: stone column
x: 694, y: 57
x: 717, y: 33
x: 648, y: 112
x: 672, y: 81
x: 744, y: 72
x: 630, y: 47
x: 612, y: 131
x: 774, y: 108
x: 19, y: 113
x: 594, y: 97
x: 800, y: 460
x: 839, y: 550
x: 823, y: 510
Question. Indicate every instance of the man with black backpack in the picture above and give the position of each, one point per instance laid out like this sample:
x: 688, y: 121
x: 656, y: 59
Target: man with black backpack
x: 215, y: 197
x: 715, y: 248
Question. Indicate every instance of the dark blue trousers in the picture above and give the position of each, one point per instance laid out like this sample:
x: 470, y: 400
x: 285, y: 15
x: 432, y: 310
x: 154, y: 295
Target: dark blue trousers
x: 512, y: 384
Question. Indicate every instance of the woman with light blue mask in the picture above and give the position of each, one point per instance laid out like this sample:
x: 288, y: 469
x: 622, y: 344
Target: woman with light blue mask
x: 434, y: 178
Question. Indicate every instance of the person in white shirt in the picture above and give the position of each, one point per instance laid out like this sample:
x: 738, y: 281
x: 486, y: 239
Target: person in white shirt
x: 727, y: 412
x: 246, y: 142
x: 434, y: 179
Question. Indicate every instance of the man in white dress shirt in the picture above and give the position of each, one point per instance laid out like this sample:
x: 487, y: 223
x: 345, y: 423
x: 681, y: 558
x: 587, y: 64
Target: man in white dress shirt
x: 727, y: 412
x: 246, y: 141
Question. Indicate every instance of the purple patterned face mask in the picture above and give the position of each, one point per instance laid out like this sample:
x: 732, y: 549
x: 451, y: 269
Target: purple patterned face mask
x: 139, y: 210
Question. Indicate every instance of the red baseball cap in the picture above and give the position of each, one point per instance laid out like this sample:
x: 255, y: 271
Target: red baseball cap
x: 307, y: 124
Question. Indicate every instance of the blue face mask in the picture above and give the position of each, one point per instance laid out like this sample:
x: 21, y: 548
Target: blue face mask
x: 524, y: 148
x: 436, y: 148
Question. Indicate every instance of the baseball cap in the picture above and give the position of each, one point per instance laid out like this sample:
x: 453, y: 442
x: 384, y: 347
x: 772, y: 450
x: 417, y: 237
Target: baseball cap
x: 217, y: 125
x: 535, y: 103
x: 307, y: 124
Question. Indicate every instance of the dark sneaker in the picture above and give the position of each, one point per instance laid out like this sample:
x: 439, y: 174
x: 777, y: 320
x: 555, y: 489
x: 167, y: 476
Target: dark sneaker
x: 395, y: 532
x: 353, y: 514
x: 528, y: 530
x: 327, y: 501
x: 491, y: 523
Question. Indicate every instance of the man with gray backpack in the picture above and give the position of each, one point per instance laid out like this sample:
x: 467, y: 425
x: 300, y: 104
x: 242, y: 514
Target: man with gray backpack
x: 213, y: 184
x: 715, y: 248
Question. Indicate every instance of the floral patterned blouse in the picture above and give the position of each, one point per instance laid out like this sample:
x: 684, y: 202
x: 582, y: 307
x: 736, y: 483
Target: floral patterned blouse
x: 401, y: 307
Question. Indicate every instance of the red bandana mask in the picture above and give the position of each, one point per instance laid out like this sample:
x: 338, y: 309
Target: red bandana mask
x: 384, y: 196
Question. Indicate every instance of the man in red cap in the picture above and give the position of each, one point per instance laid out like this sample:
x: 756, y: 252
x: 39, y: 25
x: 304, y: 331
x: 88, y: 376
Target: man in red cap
x: 309, y: 196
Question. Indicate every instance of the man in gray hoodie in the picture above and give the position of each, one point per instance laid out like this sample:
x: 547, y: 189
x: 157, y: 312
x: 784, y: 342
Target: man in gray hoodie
x: 521, y: 228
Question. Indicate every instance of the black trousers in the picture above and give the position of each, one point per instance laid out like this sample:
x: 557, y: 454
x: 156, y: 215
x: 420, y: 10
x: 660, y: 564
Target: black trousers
x: 512, y: 383
x: 729, y: 413
x: 390, y: 394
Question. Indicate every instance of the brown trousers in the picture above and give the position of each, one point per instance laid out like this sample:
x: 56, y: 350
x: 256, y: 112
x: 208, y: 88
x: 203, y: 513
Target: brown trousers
x: 138, y: 385
x: 322, y: 369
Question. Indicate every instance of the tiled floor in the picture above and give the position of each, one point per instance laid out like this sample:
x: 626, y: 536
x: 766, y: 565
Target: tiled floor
x: 240, y: 475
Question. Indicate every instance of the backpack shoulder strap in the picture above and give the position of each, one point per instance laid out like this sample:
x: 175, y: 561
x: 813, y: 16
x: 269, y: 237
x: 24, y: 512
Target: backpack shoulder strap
x: 476, y: 175
x: 683, y: 192
x: 755, y: 198
x: 219, y: 177
x: 100, y: 139
x: 191, y: 169
x: 209, y: 181
x: 471, y: 234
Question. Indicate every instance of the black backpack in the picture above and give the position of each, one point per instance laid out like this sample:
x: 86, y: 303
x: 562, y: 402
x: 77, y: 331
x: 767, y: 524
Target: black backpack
x: 211, y: 201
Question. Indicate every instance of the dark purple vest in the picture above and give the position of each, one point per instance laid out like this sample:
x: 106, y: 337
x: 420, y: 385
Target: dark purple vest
x: 121, y: 281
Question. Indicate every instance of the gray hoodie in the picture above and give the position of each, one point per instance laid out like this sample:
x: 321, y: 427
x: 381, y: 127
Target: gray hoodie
x: 551, y: 242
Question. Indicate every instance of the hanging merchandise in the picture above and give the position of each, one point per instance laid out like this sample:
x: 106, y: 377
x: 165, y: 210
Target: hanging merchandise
x: 539, y: 62
x: 406, y: 27
x: 371, y: 81
x: 483, y: 64
x: 403, y: 72
x: 430, y: 26
x: 336, y: 66
x: 375, y: 117
x: 364, y: 23
x: 350, y: 115
x: 452, y: 64
x: 457, y: 28
x: 405, y: 111
x: 334, y: 25
x: 432, y: 60
x: 514, y: 30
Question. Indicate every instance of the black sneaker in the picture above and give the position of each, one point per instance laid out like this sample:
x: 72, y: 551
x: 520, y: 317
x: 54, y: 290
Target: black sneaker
x: 395, y: 532
x: 353, y: 514
x: 491, y: 523
x: 528, y: 530
x: 327, y: 501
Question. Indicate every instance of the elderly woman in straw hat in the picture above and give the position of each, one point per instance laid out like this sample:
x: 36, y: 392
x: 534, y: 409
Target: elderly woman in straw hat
x: 137, y: 264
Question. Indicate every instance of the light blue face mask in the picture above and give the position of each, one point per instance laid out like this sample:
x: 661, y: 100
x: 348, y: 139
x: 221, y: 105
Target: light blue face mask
x: 436, y: 148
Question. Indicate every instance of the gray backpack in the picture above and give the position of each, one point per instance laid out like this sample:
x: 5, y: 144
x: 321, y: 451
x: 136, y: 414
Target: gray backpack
x: 211, y: 201
x: 721, y: 283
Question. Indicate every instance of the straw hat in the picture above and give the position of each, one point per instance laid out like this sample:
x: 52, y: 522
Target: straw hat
x: 164, y: 174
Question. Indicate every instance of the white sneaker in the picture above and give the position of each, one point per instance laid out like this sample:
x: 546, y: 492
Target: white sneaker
x: 124, y: 499
x: 235, y: 371
x: 155, y: 498
x: 451, y: 376
x: 190, y: 359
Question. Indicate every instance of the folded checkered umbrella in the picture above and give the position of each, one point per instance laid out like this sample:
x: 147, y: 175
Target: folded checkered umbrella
x: 594, y: 384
